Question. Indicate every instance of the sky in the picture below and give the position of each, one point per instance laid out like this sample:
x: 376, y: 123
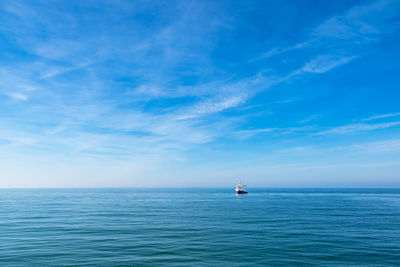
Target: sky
x: 199, y: 93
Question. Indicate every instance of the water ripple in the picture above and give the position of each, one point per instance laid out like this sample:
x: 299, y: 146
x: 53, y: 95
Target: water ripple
x: 212, y: 227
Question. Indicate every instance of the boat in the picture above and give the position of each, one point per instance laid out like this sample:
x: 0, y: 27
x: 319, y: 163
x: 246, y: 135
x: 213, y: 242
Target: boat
x: 240, y: 188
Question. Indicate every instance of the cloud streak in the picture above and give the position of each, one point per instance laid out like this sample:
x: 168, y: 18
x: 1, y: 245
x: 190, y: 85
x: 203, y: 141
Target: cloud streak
x: 358, y: 127
x: 382, y: 116
x: 325, y: 63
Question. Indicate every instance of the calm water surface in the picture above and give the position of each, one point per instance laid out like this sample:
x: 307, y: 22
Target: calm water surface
x: 196, y: 227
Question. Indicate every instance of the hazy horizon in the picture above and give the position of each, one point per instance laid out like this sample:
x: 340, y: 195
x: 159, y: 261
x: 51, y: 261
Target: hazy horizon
x: 283, y: 94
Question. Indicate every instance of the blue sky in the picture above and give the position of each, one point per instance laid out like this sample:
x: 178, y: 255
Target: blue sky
x: 198, y: 93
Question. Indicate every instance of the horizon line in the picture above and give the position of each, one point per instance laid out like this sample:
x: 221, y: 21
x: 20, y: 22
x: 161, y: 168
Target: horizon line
x: 197, y: 187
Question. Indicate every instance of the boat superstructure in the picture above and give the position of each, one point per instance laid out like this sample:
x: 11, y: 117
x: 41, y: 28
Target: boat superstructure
x: 240, y: 188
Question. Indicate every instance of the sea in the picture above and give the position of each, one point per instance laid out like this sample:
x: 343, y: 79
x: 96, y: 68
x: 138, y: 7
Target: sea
x: 199, y: 227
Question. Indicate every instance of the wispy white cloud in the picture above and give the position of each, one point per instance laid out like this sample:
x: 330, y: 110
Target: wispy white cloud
x: 281, y: 131
x: 325, y: 63
x: 19, y: 96
x: 223, y: 96
x: 17, y: 87
x: 382, y: 116
x: 280, y: 50
x: 57, y: 70
x: 59, y: 49
x: 315, y: 130
x: 362, y: 23
x: 211, y: 106
x: 309, y: 119
x: 391, y: 145
x: 358, y: 127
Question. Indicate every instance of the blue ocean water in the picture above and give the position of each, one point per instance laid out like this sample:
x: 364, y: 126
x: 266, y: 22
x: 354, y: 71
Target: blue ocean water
x: 197, y: 227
